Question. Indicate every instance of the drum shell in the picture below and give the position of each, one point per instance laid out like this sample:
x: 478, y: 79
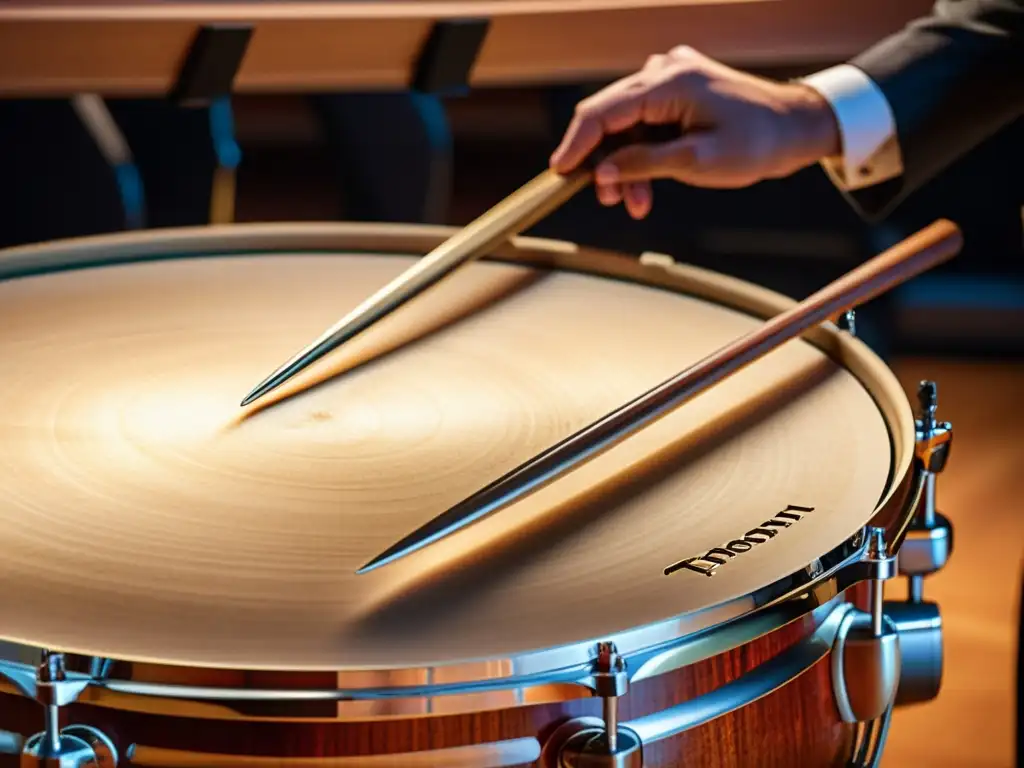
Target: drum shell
x: 797, y: 724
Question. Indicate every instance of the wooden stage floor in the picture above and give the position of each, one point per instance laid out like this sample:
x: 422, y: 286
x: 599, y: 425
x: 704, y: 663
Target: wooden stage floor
x: 972, y: 722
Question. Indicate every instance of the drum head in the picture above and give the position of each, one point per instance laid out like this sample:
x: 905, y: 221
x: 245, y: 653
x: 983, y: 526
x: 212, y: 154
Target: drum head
x: 146, y: 516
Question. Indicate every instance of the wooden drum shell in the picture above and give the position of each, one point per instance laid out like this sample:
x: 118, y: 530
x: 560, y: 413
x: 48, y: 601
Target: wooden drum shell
x: 797, y: 724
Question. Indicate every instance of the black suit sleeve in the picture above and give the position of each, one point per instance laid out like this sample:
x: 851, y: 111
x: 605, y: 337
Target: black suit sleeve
x: 952, y: 79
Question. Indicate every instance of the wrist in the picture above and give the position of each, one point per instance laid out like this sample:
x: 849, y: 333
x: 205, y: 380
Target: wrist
x: 814, y: 124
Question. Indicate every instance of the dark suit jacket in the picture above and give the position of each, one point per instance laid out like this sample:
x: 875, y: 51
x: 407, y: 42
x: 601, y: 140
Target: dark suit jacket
x: 953, y: 79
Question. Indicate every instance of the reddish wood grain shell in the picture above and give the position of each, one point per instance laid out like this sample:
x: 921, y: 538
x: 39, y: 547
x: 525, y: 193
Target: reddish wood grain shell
x: 797, y: 725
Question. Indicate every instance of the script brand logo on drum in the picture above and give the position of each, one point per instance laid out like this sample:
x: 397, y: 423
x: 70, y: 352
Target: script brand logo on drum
x: 713, y: 559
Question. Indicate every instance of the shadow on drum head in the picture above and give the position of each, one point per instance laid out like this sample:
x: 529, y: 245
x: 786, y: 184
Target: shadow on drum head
x: 431, y: 595
x: 389, y: 335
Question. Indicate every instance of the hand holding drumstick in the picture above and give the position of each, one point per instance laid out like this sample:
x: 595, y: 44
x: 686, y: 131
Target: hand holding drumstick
x: 739, y: 129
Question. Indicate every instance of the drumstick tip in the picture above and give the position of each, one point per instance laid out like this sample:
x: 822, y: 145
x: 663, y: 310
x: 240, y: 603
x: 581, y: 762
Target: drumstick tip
x: 395, y: 553
x: 296, y: 365
x: 273, y: 381
x: 255, y: 394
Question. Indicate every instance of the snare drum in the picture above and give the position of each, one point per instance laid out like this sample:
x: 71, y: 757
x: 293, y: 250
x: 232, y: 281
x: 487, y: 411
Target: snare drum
x: 179, y: 574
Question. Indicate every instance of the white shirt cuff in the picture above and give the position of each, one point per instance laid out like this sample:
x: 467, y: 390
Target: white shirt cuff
x: 871, y: 152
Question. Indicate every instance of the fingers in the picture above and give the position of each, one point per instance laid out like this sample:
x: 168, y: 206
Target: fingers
x: 616, y: 108
x: 655, y: 94
x: 581, y: 138
x: 588, y: 128
x: 625, y: 177
x: 609, y: 194
x: 637, y: 197
x: 643, y: 162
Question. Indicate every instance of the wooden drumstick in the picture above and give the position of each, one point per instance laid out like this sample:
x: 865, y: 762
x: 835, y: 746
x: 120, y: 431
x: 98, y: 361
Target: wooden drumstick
x: 931, y: 246
x: 520, y: 210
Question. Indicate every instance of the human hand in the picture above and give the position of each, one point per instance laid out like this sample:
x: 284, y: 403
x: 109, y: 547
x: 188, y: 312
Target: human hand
x: 738, y: 129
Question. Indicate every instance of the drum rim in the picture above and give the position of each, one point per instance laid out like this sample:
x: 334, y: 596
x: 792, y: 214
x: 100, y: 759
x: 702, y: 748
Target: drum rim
x: 569, y: 663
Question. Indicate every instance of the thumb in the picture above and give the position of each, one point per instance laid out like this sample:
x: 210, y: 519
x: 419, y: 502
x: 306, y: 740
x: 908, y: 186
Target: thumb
x: 644, y: 162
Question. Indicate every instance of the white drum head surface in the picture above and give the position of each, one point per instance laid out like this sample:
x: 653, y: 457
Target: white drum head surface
x: 146, y: 516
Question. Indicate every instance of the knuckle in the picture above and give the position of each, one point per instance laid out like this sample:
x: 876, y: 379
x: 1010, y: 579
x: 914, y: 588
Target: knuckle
x: 688, y: 62
x: 594, y: 103
x: 588, y: 118
x: 683, y: 53
x: 585, y: 108
x: 656, y: 61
